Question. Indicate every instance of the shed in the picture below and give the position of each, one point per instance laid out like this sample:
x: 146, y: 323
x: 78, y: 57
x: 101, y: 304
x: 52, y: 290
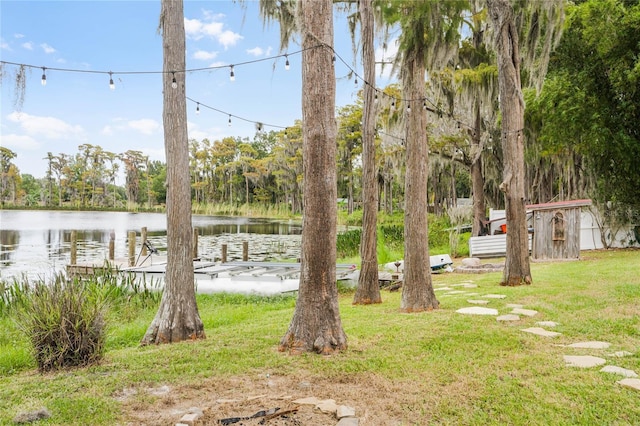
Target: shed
x: 556, y: 229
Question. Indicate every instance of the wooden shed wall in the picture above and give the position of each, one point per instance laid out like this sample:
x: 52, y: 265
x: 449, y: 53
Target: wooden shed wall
x: 545, y: 246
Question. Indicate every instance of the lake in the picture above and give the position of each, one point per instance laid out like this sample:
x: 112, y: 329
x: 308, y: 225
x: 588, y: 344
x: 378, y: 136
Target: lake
x: 37, y: 243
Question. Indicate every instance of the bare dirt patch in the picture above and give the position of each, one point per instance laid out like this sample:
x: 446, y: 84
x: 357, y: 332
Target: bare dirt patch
x: 376, y: 401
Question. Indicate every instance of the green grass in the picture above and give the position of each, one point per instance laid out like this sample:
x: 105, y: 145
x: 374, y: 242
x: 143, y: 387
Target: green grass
x: 443, y: 367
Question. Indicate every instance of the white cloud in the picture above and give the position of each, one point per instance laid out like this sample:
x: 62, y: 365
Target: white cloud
x: 229, y: 38
x: 28, y: 45
x: 204, y: 55
x: 47, y: 49
x: 107, y: 130
x: 258, y: 51
x: 48, y: 127
x: 146, y: 126
x: 22, y: 142
x: 4, y: 45
x: 210, y: 27
x: 18, y: 35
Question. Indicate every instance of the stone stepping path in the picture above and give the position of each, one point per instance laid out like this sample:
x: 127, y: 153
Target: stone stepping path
x: 477, y: 310
x: 589, y: 345
x: 508, y: 318
x: 541, y: 332
x: 525, y: 312
x: 631, y: 379
x: 630, y: 383
x: 495, y: 296
x: 619, y: 370
x: 583, y: 361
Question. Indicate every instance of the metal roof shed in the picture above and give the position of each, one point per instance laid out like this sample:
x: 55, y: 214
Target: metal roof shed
x: 556, y: 229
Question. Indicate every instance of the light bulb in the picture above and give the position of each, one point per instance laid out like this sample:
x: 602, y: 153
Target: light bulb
x: 286, y: 64
x: 393, y: 104
x: 356, y: 80
x: 44, y: 77
x: 424, y: 105
x: 174, y: 83
x: 112, y: 86
x: 232, y: 75
x: 408, y: 108
x: 229, y: 120
x: 375, y: 99
x: 198, y: 109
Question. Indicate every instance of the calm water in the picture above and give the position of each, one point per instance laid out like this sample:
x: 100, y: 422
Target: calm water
x: 36, y: 243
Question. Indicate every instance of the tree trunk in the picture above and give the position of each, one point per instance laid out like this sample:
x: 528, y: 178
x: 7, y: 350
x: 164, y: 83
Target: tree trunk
x: 368, y: 290
x: 417, y: 289
x: 177, y: 317
x: 517, y: 269
x: 316, y: 324
x: 477, y: 181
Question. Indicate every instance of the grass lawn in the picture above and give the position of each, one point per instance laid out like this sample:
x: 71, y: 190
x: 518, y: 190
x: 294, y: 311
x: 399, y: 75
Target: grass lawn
x: 437, y: 367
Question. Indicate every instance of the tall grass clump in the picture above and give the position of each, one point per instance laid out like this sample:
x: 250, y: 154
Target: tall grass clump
x: 64, y: 321
x: 12, y: 294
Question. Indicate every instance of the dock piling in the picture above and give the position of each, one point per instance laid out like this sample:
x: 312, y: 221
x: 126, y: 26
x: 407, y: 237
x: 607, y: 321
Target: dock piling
x: 132, y: 247
x: 74, y: 248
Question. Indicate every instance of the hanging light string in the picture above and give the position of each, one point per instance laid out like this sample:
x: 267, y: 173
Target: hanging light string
x: 173, y: 72
x: 258, y: 124
x: 394, y: 99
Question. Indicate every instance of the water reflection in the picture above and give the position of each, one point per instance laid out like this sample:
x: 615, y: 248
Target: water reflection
x: 37, y: 243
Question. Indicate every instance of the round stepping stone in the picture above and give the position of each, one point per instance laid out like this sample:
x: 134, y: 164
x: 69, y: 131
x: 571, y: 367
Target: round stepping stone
x: 477, y: 310
x: 525, y: 312
x: 590, y: 345
x: 477, y: 302
x: 618, y: 370
x: 514, y: 306
x: 495, y: 296
x: 442, y: 288
x: 547, y: 323
x: 456, y: 292
x: 583, y: 361
x: 508, y: 317
x: 469, y: 285
x: 541, y: 332
x: 630, y: 383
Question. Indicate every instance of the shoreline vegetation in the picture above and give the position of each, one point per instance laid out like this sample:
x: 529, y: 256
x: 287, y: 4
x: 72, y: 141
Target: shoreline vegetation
x: 437, y: 367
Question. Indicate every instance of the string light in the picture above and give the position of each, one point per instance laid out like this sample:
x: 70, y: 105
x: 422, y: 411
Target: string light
x: 424, y: 104
x: 408, y: 107
x: 259, y: 124
x: 375, y: 98
x: 174, y: 83
x: 198, y: 109
x: 334, y: 58
x: 44, y: 77
x: 356, y: 80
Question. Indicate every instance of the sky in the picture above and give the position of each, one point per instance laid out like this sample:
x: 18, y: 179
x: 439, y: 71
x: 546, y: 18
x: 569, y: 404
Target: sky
x: 76, y: 108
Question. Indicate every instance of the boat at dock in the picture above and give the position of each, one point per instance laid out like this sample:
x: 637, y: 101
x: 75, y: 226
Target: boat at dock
x: 263, y: 278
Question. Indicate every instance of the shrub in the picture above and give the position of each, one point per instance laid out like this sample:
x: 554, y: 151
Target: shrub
x: 348, y: 243
x: 64, y: 321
